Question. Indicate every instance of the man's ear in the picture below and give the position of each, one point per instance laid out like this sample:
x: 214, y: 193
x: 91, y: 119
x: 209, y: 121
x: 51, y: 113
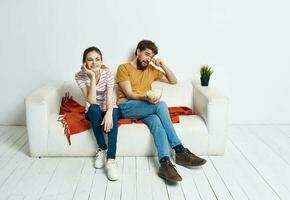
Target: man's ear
x: 138, y: 52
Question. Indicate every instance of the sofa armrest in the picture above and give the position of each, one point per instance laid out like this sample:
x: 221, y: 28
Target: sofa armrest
x: 212, y: 106
x: 39, y: 105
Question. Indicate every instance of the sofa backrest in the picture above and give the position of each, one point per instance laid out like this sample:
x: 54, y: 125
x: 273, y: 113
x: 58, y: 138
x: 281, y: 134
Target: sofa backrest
x: 180, y: 94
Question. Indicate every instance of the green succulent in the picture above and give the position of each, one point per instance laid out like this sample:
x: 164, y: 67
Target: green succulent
x: 205, y: 71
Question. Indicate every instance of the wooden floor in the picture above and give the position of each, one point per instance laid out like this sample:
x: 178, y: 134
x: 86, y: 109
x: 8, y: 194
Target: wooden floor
x: 256, y: 165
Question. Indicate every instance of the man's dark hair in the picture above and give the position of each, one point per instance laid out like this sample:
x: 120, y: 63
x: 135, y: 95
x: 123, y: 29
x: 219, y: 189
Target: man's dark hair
x: 90, y: 49
x: 147, y: 44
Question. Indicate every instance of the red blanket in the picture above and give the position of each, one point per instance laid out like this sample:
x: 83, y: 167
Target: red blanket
x: 72, y: 116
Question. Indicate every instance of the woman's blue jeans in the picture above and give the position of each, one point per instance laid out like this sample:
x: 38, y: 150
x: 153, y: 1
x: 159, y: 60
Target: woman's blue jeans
x: 95, y: 115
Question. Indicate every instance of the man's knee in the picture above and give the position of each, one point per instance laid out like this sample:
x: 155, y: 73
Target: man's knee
x: 153, y: 121
x: 161, y: 105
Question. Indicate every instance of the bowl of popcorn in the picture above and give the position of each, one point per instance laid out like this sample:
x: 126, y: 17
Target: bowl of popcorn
x: 154, y: 93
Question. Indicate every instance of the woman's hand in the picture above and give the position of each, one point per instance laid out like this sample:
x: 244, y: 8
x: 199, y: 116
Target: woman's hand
x: 108, y: 121
x: 89, y: 72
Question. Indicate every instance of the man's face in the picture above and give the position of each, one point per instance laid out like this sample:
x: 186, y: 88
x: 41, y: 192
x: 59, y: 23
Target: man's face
x: 143, y: 58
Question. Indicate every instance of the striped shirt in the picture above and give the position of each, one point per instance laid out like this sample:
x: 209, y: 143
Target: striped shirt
x: 106, y: 81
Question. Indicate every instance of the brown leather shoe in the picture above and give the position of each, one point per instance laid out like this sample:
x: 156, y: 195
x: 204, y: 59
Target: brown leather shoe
x: 168, y: 172
x: 188, y: 159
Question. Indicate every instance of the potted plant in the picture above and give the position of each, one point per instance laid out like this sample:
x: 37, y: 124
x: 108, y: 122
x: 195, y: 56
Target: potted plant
x: 205, y: 73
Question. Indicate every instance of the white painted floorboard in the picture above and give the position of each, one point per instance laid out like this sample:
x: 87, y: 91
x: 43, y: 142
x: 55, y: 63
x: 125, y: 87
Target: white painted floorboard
x: 256, y: 166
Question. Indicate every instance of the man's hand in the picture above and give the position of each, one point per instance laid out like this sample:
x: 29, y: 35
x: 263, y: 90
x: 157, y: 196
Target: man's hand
x: 152, y: 100
x: 158, y: 62
x: 169, y: 76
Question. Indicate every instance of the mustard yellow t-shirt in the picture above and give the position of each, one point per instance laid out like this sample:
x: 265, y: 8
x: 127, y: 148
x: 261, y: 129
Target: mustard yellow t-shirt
x: 140, y: 80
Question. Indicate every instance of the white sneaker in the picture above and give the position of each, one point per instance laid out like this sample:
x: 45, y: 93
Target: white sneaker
x: 112, y: 170
x: 100, y: 158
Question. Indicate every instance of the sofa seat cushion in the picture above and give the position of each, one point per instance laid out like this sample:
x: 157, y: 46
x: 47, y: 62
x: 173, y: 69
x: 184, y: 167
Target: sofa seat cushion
x: 133, y: 139
x: 82, y: 144
x: 138, y: 141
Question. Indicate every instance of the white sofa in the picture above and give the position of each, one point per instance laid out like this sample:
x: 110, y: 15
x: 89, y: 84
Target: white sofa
x: 204, y: 133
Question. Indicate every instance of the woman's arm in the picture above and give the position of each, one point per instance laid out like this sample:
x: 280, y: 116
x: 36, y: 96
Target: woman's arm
x: 89, y: 92
x: 108, y: 118
x: 110, y: 99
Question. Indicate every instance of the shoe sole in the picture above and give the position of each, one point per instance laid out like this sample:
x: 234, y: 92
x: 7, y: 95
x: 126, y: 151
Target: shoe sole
x: 184, y: 165
x: 99, y: 167
x: 112, y: 179
x: 169, y: 179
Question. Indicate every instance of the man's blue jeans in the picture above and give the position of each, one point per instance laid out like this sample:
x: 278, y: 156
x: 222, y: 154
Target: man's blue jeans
x: 95, y: 115
x: 156, y: 117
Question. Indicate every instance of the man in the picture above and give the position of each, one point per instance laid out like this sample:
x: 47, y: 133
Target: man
x: 134, y: 80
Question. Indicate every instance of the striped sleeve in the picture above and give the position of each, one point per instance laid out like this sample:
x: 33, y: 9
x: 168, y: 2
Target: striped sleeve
x: 110, y: 79
x: 82, y: 79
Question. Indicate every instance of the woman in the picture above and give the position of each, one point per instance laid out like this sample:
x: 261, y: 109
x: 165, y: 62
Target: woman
x: 96, y: 83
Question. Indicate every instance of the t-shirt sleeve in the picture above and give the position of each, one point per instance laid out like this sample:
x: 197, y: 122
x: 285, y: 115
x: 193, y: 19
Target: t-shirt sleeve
x: 110, y: 79
x: 158, y: 74
x: 122, y: 74
x: 82, y: 79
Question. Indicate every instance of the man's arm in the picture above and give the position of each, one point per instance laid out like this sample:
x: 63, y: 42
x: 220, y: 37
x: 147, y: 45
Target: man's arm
x: 127, y: 89
x: 169, y: 76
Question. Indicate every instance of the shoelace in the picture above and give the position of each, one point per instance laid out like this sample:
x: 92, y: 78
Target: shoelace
x: 188, y: 153
x: 99, y: 154
x: 171, y: 165
x: 110, y: 164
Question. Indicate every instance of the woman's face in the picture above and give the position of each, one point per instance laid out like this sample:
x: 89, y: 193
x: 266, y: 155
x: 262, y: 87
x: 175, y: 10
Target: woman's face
x: 93, y: 61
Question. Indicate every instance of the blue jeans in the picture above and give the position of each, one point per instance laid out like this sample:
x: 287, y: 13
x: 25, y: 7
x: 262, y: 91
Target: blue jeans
x: 95, y: 115
x: 157, y: 119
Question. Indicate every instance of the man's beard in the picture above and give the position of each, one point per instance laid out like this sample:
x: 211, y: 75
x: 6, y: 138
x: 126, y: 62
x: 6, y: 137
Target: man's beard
x: 140, y: 66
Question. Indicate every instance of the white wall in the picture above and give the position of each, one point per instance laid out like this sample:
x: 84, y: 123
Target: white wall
x: 246, y: 42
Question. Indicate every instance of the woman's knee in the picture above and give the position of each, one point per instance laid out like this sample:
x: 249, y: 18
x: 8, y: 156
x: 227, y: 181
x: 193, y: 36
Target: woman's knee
x: 94, y: 112
x: 94, y: 108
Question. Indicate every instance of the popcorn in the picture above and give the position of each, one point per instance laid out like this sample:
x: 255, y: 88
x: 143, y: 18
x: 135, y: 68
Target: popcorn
x: 154, y: 94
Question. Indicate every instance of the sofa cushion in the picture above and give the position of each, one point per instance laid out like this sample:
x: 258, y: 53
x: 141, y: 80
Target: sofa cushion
x: 180, y: 94
x: 133, y: 139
